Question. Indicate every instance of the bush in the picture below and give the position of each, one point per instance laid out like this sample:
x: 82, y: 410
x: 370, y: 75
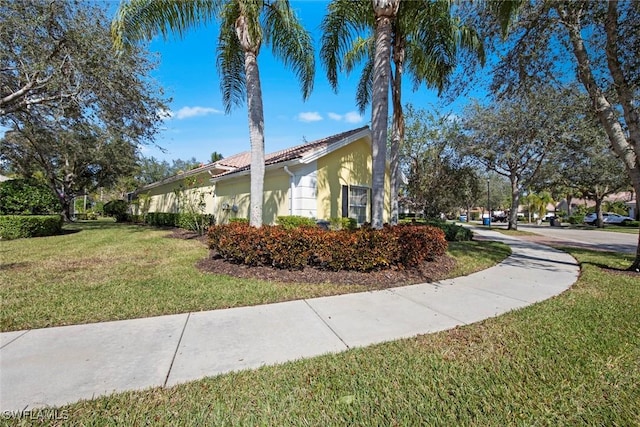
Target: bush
x: 576, y: 219
x: 343, y: 224
x: 195, y: 222
x: 295, y: 221
x: 24, y: 197
x: 20, y: 226
x: 117, y: 209
x: 364, y: 249
x: 161, y: 219
x: 452, y: 232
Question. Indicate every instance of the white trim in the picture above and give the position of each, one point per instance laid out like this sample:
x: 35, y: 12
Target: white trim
x: 336, y: 146
x: 292, y: 186
x: 247, y: 171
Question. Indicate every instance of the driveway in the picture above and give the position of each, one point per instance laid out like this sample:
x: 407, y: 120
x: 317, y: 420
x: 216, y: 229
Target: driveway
x: 596, y: 239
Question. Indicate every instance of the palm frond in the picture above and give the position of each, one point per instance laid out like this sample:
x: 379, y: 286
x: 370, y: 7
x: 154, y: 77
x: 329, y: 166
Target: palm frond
x: 365, y: 86
x: 138, y: 20
x: 361, y: 49
x: 290, y: 42
x: 344, y: 22
x: 230, y: 59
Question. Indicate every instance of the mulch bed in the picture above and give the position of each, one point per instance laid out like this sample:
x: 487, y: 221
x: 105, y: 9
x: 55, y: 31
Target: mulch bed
x: 428, y: 272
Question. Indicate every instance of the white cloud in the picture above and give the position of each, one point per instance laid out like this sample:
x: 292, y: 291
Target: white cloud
x: 350, y: 117
x: 188, y: 112
x: 311, y: 116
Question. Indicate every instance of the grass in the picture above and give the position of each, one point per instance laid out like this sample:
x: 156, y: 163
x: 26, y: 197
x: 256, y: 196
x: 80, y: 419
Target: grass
x: 570, y: 360
x: 514, y: 233
x: 614, y: 228
x: 102, y: 271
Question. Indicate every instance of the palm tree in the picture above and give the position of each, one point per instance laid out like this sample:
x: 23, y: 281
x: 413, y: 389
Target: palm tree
x: 244, y: 26
x: 424, y: 36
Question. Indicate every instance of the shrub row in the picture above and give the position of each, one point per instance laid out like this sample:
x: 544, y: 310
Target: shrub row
x: 26, y: 197
x: 188, y: 221
x: 364, y: 249
x: 20, y: 226
x: 295, y: 221
x: 452, y: 232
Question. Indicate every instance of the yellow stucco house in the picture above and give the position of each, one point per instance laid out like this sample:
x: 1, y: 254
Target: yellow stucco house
x: 324, y: 179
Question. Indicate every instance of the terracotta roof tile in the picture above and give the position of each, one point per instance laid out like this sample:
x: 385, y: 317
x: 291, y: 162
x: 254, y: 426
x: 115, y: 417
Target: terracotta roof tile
x: 243, y: 161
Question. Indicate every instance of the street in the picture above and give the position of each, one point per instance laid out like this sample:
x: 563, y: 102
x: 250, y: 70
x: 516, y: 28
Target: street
x: 599, y: 239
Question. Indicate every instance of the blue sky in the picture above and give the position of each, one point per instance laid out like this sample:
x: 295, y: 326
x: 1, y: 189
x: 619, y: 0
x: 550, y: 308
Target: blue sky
x: 198, y: 125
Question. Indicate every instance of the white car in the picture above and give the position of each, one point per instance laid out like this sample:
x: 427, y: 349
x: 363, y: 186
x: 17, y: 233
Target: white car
x: 607, y: 217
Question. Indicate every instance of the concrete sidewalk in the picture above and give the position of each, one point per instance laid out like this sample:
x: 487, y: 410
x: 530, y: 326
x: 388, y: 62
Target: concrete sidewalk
x: 55, y: 366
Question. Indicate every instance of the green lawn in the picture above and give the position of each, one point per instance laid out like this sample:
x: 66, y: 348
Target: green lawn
x: 615, y: 228
x: 102, y: 271
x: 570, y: 360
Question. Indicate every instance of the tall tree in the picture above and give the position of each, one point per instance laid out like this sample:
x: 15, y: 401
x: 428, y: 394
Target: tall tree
x: 74, y: 158
x: 76, y: 112
x: 438, y: 180
x: 601, y: 41
x: 425, y: 42
x: 244, y: 26
x: 513, y: 138
x: 385, y: 13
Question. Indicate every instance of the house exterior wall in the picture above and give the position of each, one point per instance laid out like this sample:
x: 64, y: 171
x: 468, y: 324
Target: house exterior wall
x: 314, y: 191
x: 235, y: 192
x: 350, y: 166
x: 165, y: 199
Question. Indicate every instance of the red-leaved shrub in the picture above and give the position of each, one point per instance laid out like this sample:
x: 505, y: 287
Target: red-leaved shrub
x: 364, y: 249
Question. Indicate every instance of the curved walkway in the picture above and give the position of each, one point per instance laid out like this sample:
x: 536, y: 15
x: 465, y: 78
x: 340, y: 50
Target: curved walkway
x: 60, y: 365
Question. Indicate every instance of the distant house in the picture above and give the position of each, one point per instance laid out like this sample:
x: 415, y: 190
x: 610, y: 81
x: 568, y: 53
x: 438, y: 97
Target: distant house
x: 628, y: 198
x: 324, y: 179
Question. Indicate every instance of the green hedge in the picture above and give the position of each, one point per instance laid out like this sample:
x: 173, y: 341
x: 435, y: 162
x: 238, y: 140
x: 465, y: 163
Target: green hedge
x: 295, y: 221
x: 364, y: 249
x: 20, y: 226
x: 25, y: 197
x: 161, y: 219
x: 194, y: 222
x: 452, y: 232
x: 117, y: 209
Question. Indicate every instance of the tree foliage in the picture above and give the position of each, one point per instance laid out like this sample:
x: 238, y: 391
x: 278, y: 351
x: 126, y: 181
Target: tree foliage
x: 513, y: 138
x: 76, y: 110
x: 438, y: 182
x: 27, y: 197
x: 594, y: 43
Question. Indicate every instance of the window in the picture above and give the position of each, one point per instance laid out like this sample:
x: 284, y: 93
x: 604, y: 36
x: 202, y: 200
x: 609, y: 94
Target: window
x: 355, y: 202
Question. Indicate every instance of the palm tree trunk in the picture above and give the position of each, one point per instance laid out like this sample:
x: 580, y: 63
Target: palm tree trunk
x: 256, y: 137
x: 397, y: 138
x: 384, y: 10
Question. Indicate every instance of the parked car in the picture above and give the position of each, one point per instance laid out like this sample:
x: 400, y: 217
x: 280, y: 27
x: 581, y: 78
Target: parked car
x: 607, y: 217
x: 499, y: 217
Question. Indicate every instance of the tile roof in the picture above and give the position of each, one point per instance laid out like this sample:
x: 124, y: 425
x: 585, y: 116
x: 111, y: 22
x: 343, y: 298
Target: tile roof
x: 242, y: 161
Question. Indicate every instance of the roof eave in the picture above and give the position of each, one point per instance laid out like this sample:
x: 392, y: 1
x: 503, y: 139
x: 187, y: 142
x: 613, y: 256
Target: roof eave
x: 245, y: 172
x: 315, y: 155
